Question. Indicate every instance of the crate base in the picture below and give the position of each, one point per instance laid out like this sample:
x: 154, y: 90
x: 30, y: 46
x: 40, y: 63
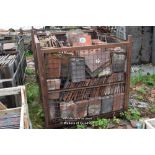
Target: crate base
x: 58, y: 124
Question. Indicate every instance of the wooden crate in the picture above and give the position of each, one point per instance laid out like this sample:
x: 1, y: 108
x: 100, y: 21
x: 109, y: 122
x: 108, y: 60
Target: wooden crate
x: 15, y: 118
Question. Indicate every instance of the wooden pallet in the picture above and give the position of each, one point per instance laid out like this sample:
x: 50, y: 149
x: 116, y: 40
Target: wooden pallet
x: 15, y: 118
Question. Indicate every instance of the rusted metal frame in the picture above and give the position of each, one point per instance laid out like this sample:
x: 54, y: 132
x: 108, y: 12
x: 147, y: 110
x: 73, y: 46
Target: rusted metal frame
x: 117, y: 38
x: 36, y: 61
x: 76, y: 48
x: 59, y: 32
x: 43, y: 83
x: 86, y: 87
x: 34, y: 54
x: 35, y: 40
x: 127, y: 86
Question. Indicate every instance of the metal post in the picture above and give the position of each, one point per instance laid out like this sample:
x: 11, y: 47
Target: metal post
x: 127, y: 87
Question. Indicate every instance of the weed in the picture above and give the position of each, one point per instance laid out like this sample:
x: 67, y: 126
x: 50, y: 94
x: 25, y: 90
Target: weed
x: 100, y: 123
x: 28, y: 53
x: 152, y: 109
x: 131, y: 114
x: 40, y: 113
x: 141, y: 90
x: 115, y: 120
x: 147, y: 79
x: 35, y: 109
x: 32, y: 92
x: 29, y: 71
x: 81, y: 126
x: 36, y: 115
x: 140, y: 98
x: 138, y: 78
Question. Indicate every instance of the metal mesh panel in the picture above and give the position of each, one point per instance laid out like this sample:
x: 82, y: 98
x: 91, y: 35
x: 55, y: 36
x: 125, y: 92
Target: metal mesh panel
x: 89, y: 85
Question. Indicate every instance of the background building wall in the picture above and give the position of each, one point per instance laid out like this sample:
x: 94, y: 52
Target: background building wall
x: 142, y: 42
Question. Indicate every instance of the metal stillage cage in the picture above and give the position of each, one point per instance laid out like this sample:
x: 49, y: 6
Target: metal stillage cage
x: 84, y: 80
x: 12, y: 67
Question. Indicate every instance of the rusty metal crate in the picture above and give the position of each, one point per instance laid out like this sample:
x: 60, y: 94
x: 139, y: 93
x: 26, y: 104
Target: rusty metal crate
x: 91, y: 79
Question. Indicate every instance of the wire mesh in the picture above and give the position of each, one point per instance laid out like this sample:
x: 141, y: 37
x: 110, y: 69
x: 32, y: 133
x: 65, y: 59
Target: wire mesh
x: 88, y: 85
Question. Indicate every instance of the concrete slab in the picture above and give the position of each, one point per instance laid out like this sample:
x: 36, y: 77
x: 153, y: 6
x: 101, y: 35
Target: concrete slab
x: 145, y: 69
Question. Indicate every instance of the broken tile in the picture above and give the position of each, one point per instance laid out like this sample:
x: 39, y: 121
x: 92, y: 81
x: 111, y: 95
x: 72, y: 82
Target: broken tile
x: 95, y: 58
x: 133, y: 123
